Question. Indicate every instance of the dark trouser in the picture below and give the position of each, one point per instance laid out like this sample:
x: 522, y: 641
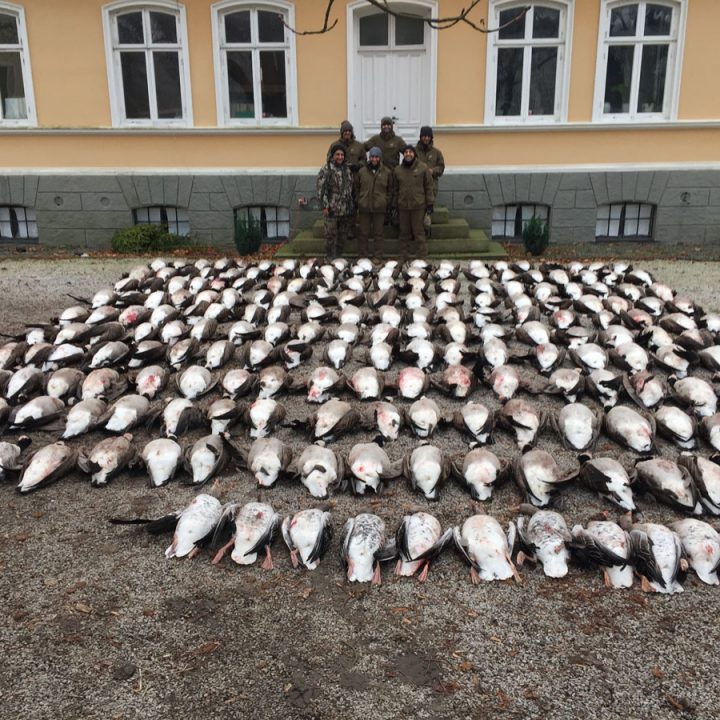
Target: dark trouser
x: 412, y: 233
x: 371, y: 222
x: 336, y: 233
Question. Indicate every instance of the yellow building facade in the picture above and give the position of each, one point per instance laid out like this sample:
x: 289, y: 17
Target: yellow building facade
x: 600, y: 115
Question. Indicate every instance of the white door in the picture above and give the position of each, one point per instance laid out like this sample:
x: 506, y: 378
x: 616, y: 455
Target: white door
x: 392, y: 74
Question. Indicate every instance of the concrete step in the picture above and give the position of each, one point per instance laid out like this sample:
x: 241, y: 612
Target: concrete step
x: 473, y: 246
x: 452, y: 228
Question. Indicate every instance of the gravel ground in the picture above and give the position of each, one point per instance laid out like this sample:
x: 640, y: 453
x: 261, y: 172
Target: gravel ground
x: 97, y: 624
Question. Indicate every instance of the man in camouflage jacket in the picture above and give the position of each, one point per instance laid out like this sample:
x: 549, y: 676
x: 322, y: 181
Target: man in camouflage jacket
x: 336, y: 198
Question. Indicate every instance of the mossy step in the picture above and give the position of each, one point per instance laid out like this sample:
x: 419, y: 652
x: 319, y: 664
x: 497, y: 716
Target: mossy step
x: 453, y: 228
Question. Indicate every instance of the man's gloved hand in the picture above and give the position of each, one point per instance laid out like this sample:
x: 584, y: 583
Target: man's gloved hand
x: 429, y: 209
x: 355, y: 167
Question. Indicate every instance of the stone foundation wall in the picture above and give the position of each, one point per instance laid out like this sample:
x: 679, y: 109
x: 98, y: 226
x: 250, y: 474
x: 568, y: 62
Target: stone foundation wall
x: 85, y: 210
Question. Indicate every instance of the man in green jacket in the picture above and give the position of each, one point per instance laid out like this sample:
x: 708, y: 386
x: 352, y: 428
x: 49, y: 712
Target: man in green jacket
x: 374, y: 184
x: 431, y: 156
x: 354, y: 149
x: 390, y: 143
x: 414, y: 198
x: 335, y: 195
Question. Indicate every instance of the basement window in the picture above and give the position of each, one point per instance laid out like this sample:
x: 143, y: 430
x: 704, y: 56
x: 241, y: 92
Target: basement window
x: 18, y: 223
x: 274, y: 221
x: 174, y: 219
x: 620, y: 221
x: 508, y: 221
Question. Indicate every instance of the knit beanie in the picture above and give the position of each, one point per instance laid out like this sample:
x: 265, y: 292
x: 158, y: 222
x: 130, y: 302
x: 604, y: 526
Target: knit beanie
x: 408, y: 147
x: 336, y: 147
x: 426, y: 130
x: 375, y: 152
x: 387, y: 120
x: 346, y: 125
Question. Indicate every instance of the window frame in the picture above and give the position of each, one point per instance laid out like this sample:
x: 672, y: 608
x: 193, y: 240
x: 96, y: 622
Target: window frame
x: 564, y: 45
x: 518, y: 209
x: 163, y: 211
x: 676, y: 44
x: 244, y: 211
x: 621, y: 236
x: 23, y: 47
x: 30, y: 239
x: 218, y: 12
x: 114, y: 70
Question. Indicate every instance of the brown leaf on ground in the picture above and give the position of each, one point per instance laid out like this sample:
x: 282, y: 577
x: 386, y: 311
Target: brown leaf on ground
x: 445, y: 688
x: 206, y: 648
x: 83, y: 608
x: 679, y: 704
x: 657, y: 672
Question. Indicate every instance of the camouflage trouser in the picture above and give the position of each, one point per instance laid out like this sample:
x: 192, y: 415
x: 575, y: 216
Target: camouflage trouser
x: 336, y: 233
x: 412, y: 234
x: 371, y: 222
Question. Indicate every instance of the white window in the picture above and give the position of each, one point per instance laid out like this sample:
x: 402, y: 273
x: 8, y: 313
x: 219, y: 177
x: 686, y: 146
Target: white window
x: 527, y: 62
x: 18, y: 223
x: 174, y: 219
x: 16, y: 95
x: 274, y: 221
x: 509, y: 221
x: 381, y: 30
x: 254, y: 63
x: 148, y: 67
x: 625, y: 220
x: 638, y: 69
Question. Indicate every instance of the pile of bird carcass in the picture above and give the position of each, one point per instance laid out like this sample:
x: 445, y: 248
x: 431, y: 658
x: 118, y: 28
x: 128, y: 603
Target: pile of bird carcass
x: 171, y: 332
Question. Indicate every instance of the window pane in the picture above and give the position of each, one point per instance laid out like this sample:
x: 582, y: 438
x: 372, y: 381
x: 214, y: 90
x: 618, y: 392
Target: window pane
x: 498, y: 212
x: 237, y: 27
x: 240, y: 85
x: 155, y: 214
x: 274, y: 97
x: 8, y: 30
x: 409, y: 31
x: 616, y: 211
x: 614, y: 228
x: 623, y: 21
x: 12, y: 89
x: 141, y: 216
x: 135, y: 86
x: 546, y: 22
x: 658, y: 19
x: 646, y: 212
x: 600, y: 228
x: 509, y: 81
x: 632, y: 210
x: 270, y: 26
x: 130, y: 28
x: 603, y: 212
x: 163, y: 27
x: 167, y: 85
x: 644, y: 227
x: 543, y: 71
x: 617, y: 80
x: 631, y: 227
x: 512, y: 24
x: 374, y: 29
x: 652, y: 78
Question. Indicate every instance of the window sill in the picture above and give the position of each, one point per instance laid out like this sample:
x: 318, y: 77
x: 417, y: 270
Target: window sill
x: 625, y: 238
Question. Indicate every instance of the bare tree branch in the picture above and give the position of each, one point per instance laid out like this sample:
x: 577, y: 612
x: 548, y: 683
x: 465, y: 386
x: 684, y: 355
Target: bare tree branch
x: 436, y: 23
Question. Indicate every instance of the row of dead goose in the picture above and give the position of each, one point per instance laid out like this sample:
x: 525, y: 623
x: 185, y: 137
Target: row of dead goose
x: 659, y: 555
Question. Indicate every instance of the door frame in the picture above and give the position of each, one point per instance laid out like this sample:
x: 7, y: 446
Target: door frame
x: 352, y: 9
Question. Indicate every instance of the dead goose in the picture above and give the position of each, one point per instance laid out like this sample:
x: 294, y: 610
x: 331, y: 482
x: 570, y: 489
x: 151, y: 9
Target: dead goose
x: 147, y: 351
x: 710, y: 427
x: 206, y: 458
x: 84, y: 417
x: 706, y: 475
x: 319, y: 469
x: 538, y: 476
x: 419, y: 540
x: 455, y: 381
x: 521, y: 419
x: 11, y: 354
x: 609, y: 479
x: 238, y: 383
x: 195, y: 381
x: 295, y: 353
x: 696, y: 394
x: 481, y: 471
x: 179, y: 416
x: 701, y: 546
x: 257, y: 354
x: 423, y: 417
x: 47, y: 465
x: 386, y: 419
x: 219, y: 354
x: 475, y: 420
x: 324, y: 384
x: 658, y: 557
x: 267, y: 460
x: 577, y: 426
x: 546, y: 357
x: 222, y: 414
x: 263, y: 416
x: 544, y: 539
x: 150, y: 381
x: 364, y: 547
x: 106, y: 384
x: 604, y: 386
x: 38, y: 412
x: 111, y: 354
x: 367, y: 383
x: 411, y: 383
x: 182, y: 352
x: 645, y: 389
x: 486, y: 548
x: 10, y: 454
x: 307, y: 535
x: 568, y: 382
x: 249, y: 530
x: 108, y: 459
x: 607, y: 545
x: 670, y: 483
x: 162, y: 458
x: 675, y: 359
x: 675, y: 425
x: 125, y: 413
x: 421, y: 353
x: 629, y: 428
x: 65, y: 384
x: 589, y: 357
x: 427, y: 468
x: 331, y: 420
x: 369, y: 467
x: 337, y: 353
x: 710, y: 358
x: 504, y: 381
x: 23, y: 384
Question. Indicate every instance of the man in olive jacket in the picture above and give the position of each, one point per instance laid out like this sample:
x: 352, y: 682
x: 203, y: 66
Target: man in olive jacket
x: 390, y: 143
x: 336, y: 197
x: 374, y: 183
x: 354, y: 149
x: 414, y: 198
x: 431, y: 156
